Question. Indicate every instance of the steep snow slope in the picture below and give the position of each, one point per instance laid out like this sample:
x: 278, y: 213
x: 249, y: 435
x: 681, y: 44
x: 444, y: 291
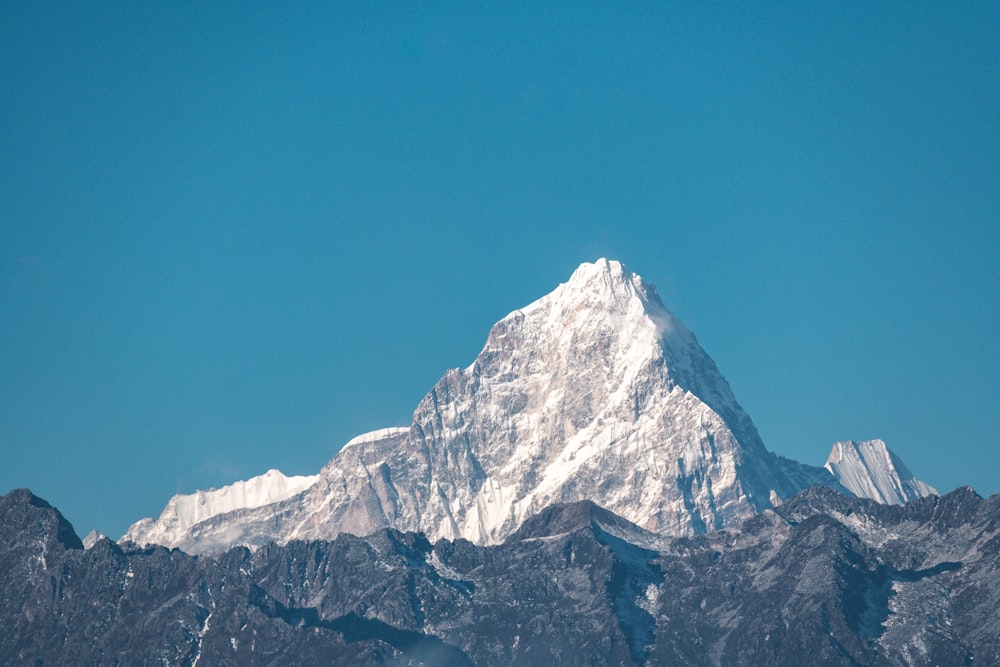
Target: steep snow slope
x: 184, y: 511
x: 593, y: 392
x: 868, y: 469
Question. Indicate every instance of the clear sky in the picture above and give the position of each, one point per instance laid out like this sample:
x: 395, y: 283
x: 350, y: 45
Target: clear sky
x: 234, y: 236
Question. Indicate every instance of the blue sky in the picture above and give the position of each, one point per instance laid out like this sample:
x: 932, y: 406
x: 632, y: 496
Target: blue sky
x: 234, y: 236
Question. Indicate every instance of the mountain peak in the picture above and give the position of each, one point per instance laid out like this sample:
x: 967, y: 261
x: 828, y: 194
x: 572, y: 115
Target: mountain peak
x: 592, y: 392
x: 606, y: 283
x: 608, y: 272
x: 869, y: 469
x: 22, y: 509
x: 563, y: 518
x: 599, y: 266
x: 604, y: 312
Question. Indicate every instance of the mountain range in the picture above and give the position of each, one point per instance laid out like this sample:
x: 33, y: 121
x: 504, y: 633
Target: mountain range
x: 587, y: 491
x: 823, y: 579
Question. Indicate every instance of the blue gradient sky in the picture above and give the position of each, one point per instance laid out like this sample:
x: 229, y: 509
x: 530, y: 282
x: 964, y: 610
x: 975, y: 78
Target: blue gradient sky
x: 232, y: 237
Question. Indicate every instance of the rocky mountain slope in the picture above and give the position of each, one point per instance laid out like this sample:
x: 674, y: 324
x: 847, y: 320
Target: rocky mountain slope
x: 593, y: 392
x: 844, y: 581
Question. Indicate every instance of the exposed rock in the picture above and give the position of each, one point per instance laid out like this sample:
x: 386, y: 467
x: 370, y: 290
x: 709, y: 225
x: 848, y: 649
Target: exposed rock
x: 823, y: 579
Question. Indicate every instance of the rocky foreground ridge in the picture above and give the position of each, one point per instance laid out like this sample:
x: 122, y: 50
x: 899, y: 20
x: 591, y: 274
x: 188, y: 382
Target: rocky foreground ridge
x: 844, y: 581
x: 593, y: 392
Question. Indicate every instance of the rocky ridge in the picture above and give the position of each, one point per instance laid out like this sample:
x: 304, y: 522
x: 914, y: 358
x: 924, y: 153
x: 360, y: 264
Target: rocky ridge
x: 845, y: 581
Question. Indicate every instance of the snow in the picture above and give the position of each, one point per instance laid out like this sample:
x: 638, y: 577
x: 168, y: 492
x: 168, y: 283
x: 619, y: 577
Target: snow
x: 201, y: 636
x: 868, y: 469
x: 184, y: 511
x: 378, y: 434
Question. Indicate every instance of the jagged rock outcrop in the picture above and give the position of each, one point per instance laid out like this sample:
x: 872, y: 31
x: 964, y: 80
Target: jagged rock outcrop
x: 593, y: 392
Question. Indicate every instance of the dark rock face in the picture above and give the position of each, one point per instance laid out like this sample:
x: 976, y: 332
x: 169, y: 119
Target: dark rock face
x: 821, y: 580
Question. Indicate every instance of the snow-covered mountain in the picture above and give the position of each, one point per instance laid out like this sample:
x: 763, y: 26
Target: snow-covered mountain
x: 593, y: 392
x: 869, y: 470
x: 185, y: 511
